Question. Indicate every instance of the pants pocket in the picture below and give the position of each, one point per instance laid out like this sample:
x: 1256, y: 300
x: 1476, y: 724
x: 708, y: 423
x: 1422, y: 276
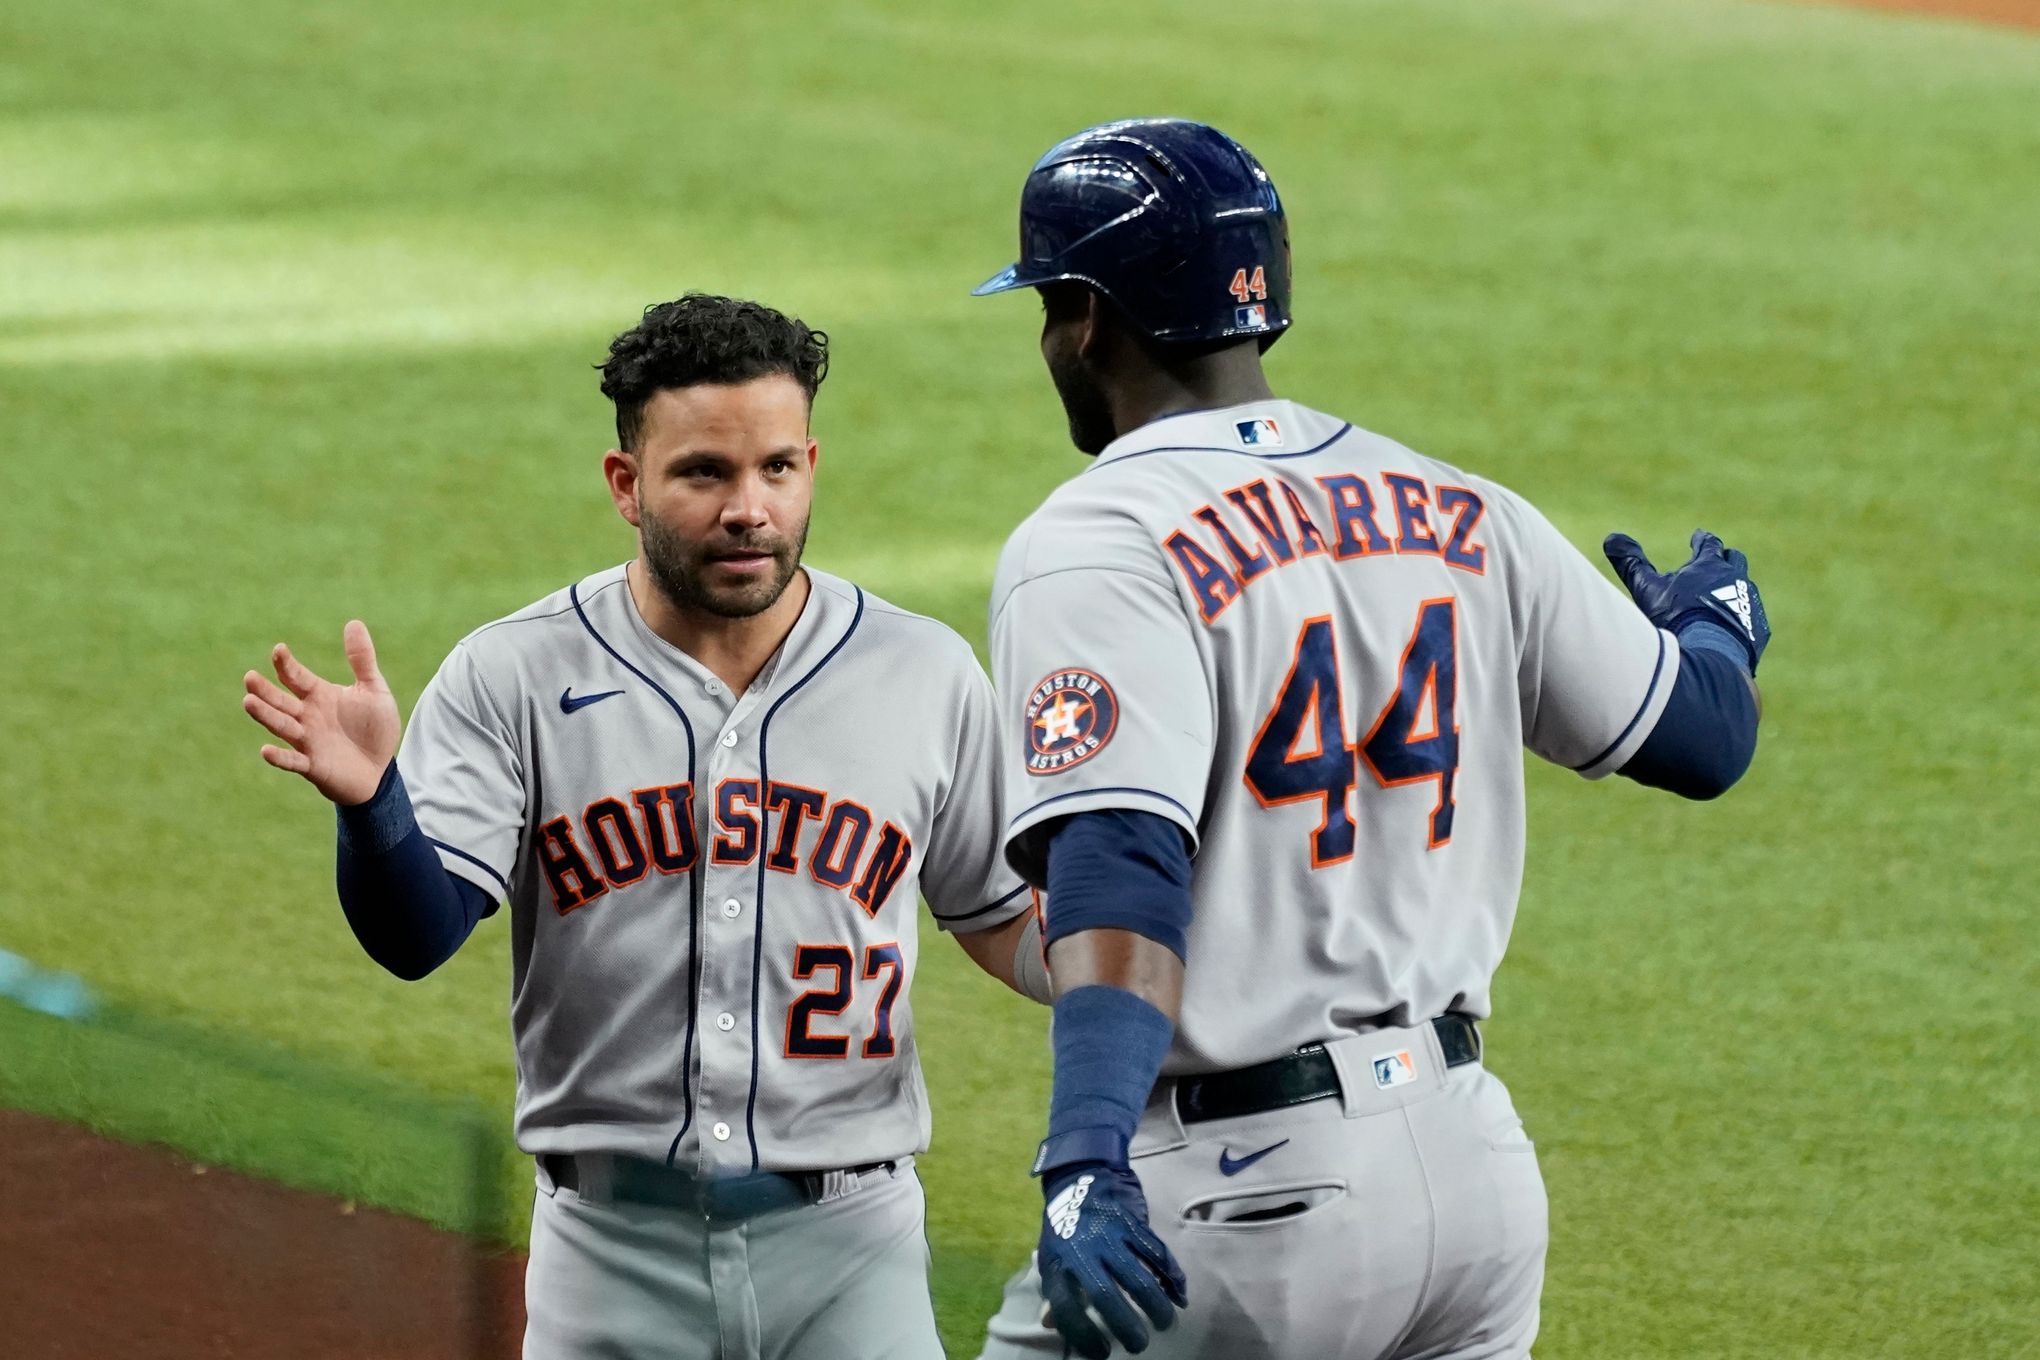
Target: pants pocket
x: 1509, y: 1136
x: 1262, y: 1206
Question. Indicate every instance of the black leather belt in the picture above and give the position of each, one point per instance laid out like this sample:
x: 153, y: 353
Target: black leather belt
x: 1301, y: 1077
x: 637, y: 1180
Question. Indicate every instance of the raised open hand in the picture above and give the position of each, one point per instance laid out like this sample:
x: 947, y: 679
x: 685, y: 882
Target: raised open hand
x: 340, y: 737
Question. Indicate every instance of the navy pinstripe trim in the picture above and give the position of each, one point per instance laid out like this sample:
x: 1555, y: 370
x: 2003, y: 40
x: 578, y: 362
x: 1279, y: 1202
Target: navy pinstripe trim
x: 1343, y: 431
x: 501, y: 882
x: 1086, y: 793
x: 1649, y: 693
x: 764, y: 851
x: 574, y: 594
x: 973, y: 915
x: 529, y: 618
x: 693, y: 917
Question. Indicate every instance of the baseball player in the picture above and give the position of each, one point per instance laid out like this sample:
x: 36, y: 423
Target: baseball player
x: 712, y: 784
x: 1270, y: 676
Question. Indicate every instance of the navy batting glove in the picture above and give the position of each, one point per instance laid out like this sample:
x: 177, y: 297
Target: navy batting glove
x: 1096, y: 1252
x: 1714, y: 586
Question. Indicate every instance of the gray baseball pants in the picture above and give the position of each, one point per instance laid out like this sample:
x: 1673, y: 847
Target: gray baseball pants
x: 1403, y: 1221
x: 846, y: 1279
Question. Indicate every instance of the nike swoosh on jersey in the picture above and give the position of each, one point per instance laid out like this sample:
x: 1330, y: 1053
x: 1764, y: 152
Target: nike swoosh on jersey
x: 1229, y: 1166
x: 568, y: 703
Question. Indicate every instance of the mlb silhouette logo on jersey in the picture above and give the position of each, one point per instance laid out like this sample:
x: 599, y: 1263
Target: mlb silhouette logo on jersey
x: 1070, y: 716
x: 1395, y: 1069
x: 1262, y: 433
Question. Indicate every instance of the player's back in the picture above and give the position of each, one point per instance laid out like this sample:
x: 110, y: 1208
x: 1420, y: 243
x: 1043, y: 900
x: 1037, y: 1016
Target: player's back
x: 1323, y: 655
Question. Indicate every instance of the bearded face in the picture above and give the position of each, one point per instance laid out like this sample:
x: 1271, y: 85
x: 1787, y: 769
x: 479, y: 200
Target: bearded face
x: 733, y: 572
x: 722, y: 491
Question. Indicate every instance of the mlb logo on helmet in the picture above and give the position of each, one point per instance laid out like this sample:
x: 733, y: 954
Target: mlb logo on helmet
x: 1259, y: 433
x: 1249, y: 318
x: 1394, y: 1069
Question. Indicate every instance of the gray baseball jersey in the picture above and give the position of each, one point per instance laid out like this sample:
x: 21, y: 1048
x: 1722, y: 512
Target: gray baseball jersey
x: 713, y: 896
x: 1320, y: 654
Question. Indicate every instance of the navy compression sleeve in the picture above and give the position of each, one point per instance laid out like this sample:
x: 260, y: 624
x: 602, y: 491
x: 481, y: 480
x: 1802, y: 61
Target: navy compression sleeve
x: 1707, y: 733
x: 1109, y: 1046
x: 1112, y: 869
x: 409, y: 913
x: 1117, y: 869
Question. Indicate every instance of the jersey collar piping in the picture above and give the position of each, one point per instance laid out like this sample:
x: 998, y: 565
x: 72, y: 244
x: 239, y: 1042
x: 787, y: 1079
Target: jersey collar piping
x: 1188, y: 431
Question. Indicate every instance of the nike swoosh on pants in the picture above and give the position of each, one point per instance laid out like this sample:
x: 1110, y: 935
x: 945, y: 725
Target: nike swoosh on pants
x: 1228, y: 1165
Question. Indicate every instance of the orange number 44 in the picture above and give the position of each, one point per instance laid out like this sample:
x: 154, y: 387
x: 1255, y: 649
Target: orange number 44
x: 1245, y: 287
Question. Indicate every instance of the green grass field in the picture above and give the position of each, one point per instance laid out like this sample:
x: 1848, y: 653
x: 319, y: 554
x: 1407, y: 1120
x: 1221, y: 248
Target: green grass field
x: 297, y: 309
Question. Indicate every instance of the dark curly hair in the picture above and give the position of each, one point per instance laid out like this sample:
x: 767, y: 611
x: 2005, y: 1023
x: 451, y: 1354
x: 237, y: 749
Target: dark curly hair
x: 703, y: 338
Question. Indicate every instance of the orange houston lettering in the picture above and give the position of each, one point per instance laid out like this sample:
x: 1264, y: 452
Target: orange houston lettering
x: 615, y: 843
x: 572, y: 878
x: 736, y: 812
x: 791, y: 805
x: 887, y: 866
x: 618, y: 846
x: 667, y: 812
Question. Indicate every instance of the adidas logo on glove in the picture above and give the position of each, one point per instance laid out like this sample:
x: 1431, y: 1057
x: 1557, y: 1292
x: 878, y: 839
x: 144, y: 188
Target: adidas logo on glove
x: 1063, y: 1209
x: 1737, y: 598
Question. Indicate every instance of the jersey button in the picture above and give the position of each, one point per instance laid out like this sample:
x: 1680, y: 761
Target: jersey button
x: 721, y: 1132
x: 713, y: 687
x: 729, y: 738
x: 732, y: 908
x: 726, y: 1022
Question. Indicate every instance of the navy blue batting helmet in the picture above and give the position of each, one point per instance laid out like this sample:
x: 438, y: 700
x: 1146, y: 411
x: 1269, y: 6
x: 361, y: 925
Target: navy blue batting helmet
x: 1173, y: 221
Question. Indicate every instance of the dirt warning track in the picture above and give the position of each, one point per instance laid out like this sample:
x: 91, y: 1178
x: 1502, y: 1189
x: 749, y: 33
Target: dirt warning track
x: 2015, y: 13
x: 118, y: 1250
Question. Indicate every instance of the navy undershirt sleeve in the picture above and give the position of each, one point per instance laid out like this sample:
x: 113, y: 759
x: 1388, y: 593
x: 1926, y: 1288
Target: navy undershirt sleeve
x: 1121, y: 870
x: 407, y: 910
x: 1707, y: 733
x: 1118, y: 869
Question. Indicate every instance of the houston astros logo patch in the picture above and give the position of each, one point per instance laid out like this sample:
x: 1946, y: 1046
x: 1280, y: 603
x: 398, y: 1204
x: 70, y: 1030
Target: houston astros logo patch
x: 1070, y: 717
